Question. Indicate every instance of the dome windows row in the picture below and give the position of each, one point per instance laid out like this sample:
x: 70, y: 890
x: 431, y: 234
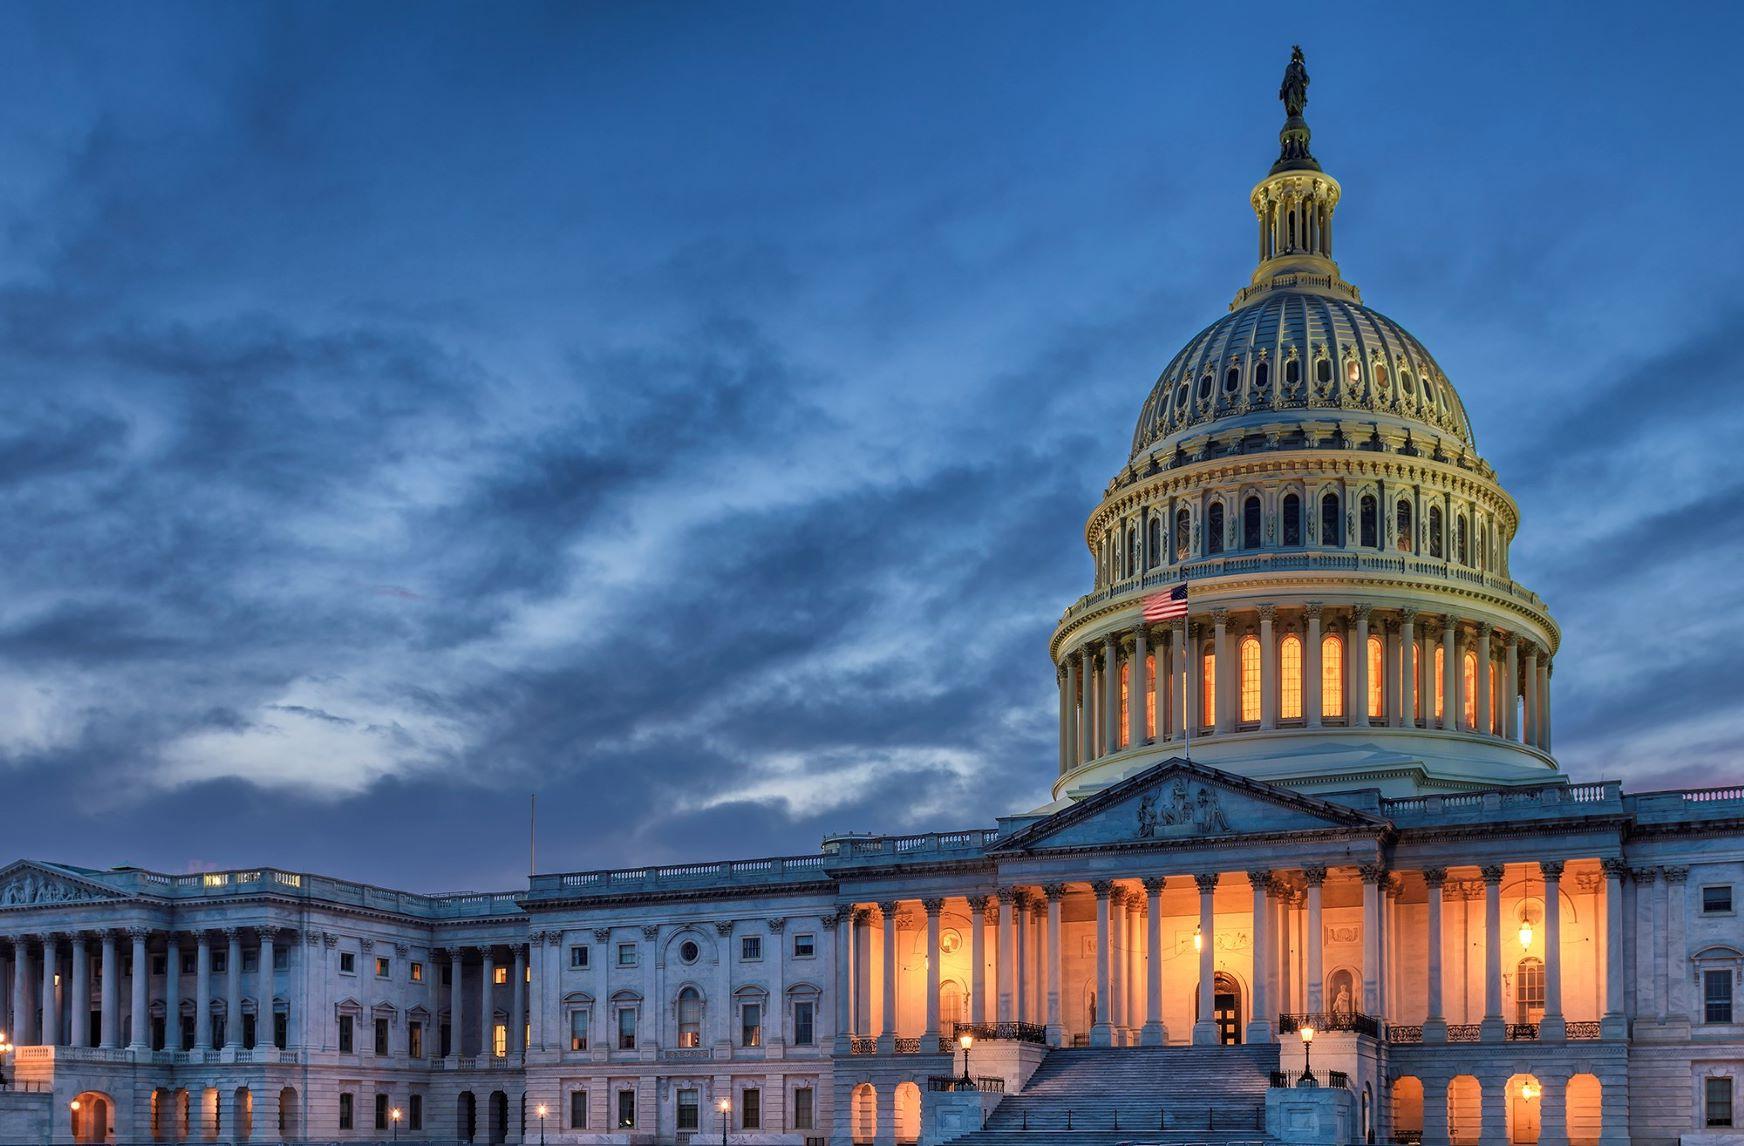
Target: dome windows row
x: 1417, y: 391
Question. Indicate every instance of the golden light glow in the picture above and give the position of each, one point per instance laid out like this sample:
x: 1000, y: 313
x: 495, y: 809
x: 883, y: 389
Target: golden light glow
x: 1331, y: 676
x: 1290, y: 678
x: 1208, y: 689
x: 1307, y: 1034
x: 1525, y: 934
x: 1377, y: 678
x: 395, y: 1113
x: 1440, y: 682
x: 1121, y: 734
x: 966, y: 1041
x: 1530, y: 1090
x: 1469, y: 707
x: 542, y: 1110
x: 75, y: 1104
x: 1198, y: 939
x: 724, y: 1105
x: 1250, y: 679
x: 1151, y: 696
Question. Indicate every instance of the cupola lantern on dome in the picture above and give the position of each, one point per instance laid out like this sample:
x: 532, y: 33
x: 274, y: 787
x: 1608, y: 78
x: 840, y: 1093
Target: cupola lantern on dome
x: 1309, y: 473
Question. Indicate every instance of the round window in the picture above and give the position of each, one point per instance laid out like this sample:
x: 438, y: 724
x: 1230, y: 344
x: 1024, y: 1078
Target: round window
x: 688, y: 951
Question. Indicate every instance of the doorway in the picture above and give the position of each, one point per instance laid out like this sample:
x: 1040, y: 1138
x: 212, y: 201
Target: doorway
x: 1225, y: 1008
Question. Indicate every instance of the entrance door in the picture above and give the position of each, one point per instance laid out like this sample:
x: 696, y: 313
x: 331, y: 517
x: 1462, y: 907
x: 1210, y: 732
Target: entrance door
x: 1226, y: 1009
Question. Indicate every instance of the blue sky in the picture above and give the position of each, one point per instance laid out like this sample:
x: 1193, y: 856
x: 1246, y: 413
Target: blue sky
x: 690, y: 412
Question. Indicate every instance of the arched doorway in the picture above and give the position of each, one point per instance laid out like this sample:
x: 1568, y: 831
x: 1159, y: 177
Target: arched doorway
x: 466, y: 1117
x: 907, y: 1112
x: 1523, y: 1107
x: 1408, y: 1106
x: 1226, y: 1007
x: 865, y: 1127
x: 288, y: 1113
x: 89, y: 1114
x: 1584, y: 1103
x: 243, y: 1119
x: 499, y: 1116
x: 1465, y: 1113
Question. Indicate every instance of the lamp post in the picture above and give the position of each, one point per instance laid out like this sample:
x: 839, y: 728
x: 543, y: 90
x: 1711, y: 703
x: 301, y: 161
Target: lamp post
x: 1308, y: 1078
x: 726, y: 1105
x: 74, y: 1106
x: 5, y: 1049
x: 541, y: 1124
x: 966, y: 1042
x: 394, y: 1117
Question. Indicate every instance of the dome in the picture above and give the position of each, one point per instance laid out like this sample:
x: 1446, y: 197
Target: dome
x: 1296, y: 355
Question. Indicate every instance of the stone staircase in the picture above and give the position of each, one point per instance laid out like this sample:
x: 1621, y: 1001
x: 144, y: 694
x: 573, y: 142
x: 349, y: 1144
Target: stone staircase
x: 1112, y: 1096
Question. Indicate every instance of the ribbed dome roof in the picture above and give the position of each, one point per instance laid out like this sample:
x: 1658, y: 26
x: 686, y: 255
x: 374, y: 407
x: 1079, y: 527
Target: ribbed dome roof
x: 1292, y: 355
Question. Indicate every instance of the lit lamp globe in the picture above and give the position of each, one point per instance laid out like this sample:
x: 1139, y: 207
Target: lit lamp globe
x: 1307, y: 1079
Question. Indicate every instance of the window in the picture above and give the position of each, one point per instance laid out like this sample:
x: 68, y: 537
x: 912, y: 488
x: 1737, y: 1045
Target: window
x: 187, y: 967
x: 1232, y: 380
x: 1183, y: 534
x: 345, y: 1034
x: 626, y: 1109
x: 750, y: 947
x: 1154, y: 543
x: 1331, y: 676
x: 1717, y: 996
x: 1292, y: 519
x: 347, y: 963
x: 1377, y: 681
x: 804, y: 945
x: 804, y: 1017
x: 751, y: 1025
x: 383, y: 968
x: 626, y: 1028
x: 804, y: 1109
x: 1436, y: 546
x: 447, y: 974
x: 751, y: 1109
x: 158, y: 963
x: 1204, y: 387
x: 689, y: 1110
x: 1323, y: 370
x: 345, y: 1114
x: 220, y: 960
x: 1293, y: 371
x: 1290, y: 677
x: 1380, y: 371
x: 1368, y: 523
x: 1121, y: 726
x: 500, y: 1040
x: 1262, y: 375
x: 281, y: 958
x: 415, y: 1039
x: 1717, y: 1095
x: 381, y: 1112
x: 1214, y: 528
x: 1717, y: 899
x: 1131, y: 551
x: 1469, y: 699
x: 1529, y: 990
x: 688, y: 951
x: 578, y: 1110
x: 1352, y: 371
x: 1150, y: 700
x: 381, y: 1036
x: 1250, y: 679
x: 1331, y: 533
x: 445, y: 1038
x: 415, y: 1111
x: 248, y: 1031
x: 626, y: 954
x: 499, y: 975
x: 578, y: 1024
x: 1250, y: 523
x: 1461, y: 540
x: 416, y: 972
x: 281, y: 1029
x: 689, y: 1017
x: 1402, y: 520
x: 1208, y: 689
x: 578, y: 957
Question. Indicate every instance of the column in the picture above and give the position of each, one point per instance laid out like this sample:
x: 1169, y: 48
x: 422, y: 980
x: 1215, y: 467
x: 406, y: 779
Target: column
x: 1544, y: 700
x: 1137, y: 686
x: 1358, y: 658
x: 1194, y: 708
x: 233, y: 989
x: 1485, y: 715
x: 263, y: 987
x: 1063, y: 676
x: 202, y: 992
x: 173, y: 992
x: 456, y: 1006
x: 518, y: 999
x: 487, y: 1001
x: 1268, y: 668
x: 1493, y: 1028
x: 1646, y: 940
x: 1056, y: 949
x: 1435, y: 1021
x: 1391, y: 657
x: 1117, y: 964
x: 863, y: 972
x: 1677, y: 950
x: 1552, y: 1028
x: 79, y: 1010
x: 1205, y: 1028
x: 1493, y: 1106
x: 1450, y: 674
x: 1529, y: 684
x: 887, y: 1020
x: 1510, y: 685
x: 1408, y: 668
x: 1153, y: 1033
x: 1553, y: 1107
x: 141, y: 982
x: 1135, y: 959
x: 1615, y: 1023
x: 1039, y: 953
x: 1020, y: 975
x: 1311, y: 665
x: 930, y: 1036
x: 51, y: 1013
x: 1315, y: 874
x: 1161, y: 679
x: 1111, y: 694
x: 1004, y: 959
x: 977, y: 959
x: 1259, y: 1026
x: 1372, y: 875
x: 1181, y: 689
x: 1100, y: 1034
x: 1660, y: 963
x: 842, y: 922
x: 1435, y: 1109
x: 22, y: 1030
x: 1227, y: 698
x: 1087, y: 707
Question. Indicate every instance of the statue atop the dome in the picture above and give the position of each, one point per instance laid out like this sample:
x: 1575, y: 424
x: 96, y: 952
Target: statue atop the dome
x: 1294, y: 91
x: 1293, y: 152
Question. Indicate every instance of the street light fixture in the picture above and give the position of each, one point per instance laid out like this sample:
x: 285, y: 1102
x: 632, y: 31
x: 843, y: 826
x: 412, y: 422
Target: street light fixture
x: 1308, y: 1078
x: 725, y: 1104
x: 394, y: 1117
x: 966, y: 1042
x: 541, y: 1111
x: 5, y: 1049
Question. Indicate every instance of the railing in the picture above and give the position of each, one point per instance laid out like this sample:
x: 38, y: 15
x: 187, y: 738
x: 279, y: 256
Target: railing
x: 863, y: 1046
x: 1704, y: 795
x: 1404, y: 1032
x: 1290, y: 1079
x: 686, y: 1054
x: 983, y: 1083
x: 1584, y: 1031
x: 1018, y: 1032
x: 1407, y: 1138
x: 774, y: 868
x: 1464, y: 1032
x: 1521, y: 1032
x: 1331, y: 1021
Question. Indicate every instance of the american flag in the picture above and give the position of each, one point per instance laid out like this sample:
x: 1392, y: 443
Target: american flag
x: 1167, y: 606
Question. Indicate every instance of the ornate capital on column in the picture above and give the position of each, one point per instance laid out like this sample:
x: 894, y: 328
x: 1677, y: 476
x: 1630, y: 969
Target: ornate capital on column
x: 977, y: 902
x: 1022, y: 897
x: 1492, y: 873
x: 1313, y: 609
x: 723, y: 928
x: 1054, y: 891
x: 777, y: 923
x: 1129, y: 642
x: 1117, y: 895
x: 486, y: 950
x: 1220, y: 616
x: 330, y: 940
x: 1207, y: 881
x: 600, y: 935
x: 312, y: 938
x: 1007, y: 895
x: 1362, y: 611
x: 1512, y: 641
x: 1260, y: 879
x: 832, y: 920
x: 1407, y: 615
x: 1393, y: 886
x: 1434, y: 876
x: 1314, y: 873
x: 932, y: 906
x: 1676, y: 874
x: 404, y: 949
x: 1268, y: 612
x: 1486, y: 629
x: 554, y: 939
x: 1645, y: 874
x: 1550, y: 869
x: 1372, y: 872
x: 1154, y: 883
x: 138, y: 933
x: 231, y: 934
x: 889, y: 907
x: 1615, y: 866
x: 1101, y: 887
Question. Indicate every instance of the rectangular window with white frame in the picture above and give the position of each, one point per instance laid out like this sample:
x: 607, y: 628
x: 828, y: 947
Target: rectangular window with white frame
x: 751, y: 1109
x: 804, y: 946
x: 751, y: 1025
x: 626, y: 1110
x: 578, y: 1110
x: 1717, y: 899
x: 751, y: 948
x: 1717, y: 996
x: 578, y: 1029
x: 689, y: 1110
x: 626, y: 954
x: 804, y: 1108
x: 1717, y: 1100
x: 578, y: 959
x: 347, y: 963
x: 626, y: 1028
x: 804, y: 1019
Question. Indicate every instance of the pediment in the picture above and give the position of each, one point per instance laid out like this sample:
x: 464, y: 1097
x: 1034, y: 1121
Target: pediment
x: 30, y: 884
x: 1177, y: 800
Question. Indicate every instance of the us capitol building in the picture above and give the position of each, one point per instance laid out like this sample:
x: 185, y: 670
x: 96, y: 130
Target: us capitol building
x: 1305, y: 783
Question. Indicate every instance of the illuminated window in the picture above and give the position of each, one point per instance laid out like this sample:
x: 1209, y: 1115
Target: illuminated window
x: 1120, y: 734
x: 1331, y: 531
x: 1183, y: 533
x: 1529, y: 990
x: 1402, y: 520
x: 1435, y: 543
x: 1352, y: 371
x: 1381, y: 379
x: 500, y: 1040
x: 1290, y: 677
x: 1416, y: 682
x: 1332, y: 675
x: 1440, y: 682
x: 500, y: 975
x: 1368, y: 523
x: 689, y: 1018
x: 1292, y: 519
x: 1377, y: 678
x: 1214, y: 528
x: 1469, y: 693
x: 1250, y: 523
x: 1150, y: 701
x: 1208, y: 689
x: 1250, y: 679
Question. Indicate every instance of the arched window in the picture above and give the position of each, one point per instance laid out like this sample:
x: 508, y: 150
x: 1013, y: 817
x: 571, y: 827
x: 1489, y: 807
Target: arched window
x: 1150, y: 697
x: 1331, y: 521
x: 1369, y: 535
x: 1293, y: 371
x: 1529, y: 990
x: 1290, y: 678
x: 1469, y: 693
x: 1323, y: 370
x: 1250, y: 523
x: 1417, y: 698
x: 1435, y: 544
x: 1131, y: 551
x: 1183, y: 534
x: 1154, y: 542
x: 1440, y: 682
x: 1120, y: 734
x: 1262, y: 375
x: 1214, y: 528
x: 1461, y: 538
x: 1208, y: 688
x: 1250, y: 680
x: 1377, y: 678
x: 1402, y: 520
x: 1331, y: 676
x: 1292, y: 525
x: 689, y: 1017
